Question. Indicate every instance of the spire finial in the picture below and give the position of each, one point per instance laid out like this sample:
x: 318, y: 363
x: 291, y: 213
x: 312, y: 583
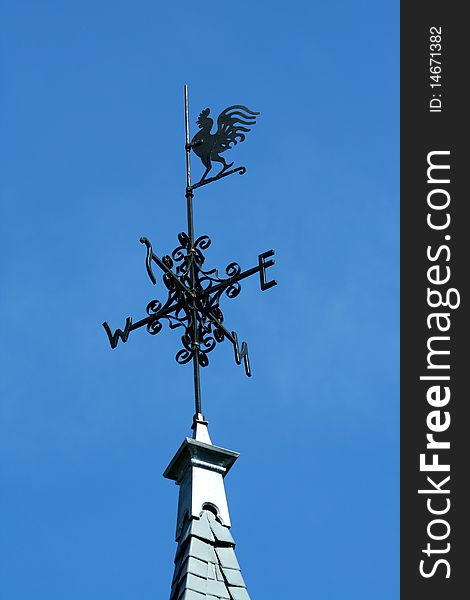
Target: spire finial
x: 200, y: 431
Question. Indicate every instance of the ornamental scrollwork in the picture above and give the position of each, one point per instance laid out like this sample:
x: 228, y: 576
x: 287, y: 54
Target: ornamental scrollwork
x: 193, y: 301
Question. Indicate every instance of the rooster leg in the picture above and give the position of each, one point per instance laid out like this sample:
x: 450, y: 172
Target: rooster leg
x: 205, y: 173
x: 208, y: 164
x: 225, y: 165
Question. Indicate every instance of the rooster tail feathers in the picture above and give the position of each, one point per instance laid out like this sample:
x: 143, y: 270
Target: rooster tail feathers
x: 242, y: 108
x: 238, y: 113
x: 230, y: 126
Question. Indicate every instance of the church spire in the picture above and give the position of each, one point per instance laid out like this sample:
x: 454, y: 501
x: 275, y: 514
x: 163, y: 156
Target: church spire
x: 205, y: 563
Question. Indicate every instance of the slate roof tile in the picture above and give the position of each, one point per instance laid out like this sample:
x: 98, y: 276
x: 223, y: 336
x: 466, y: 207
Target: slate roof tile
x: 217, y: 589
x: 234, y: 577
x: 190, y: 565
x: 212, y: 556
x: 211, y: 571
x: 191, y: 595
x: 218, y: 573
x: 198, y: 584
x: 198, y: 528
x: 227, y: 557
x: 238, y: 593
x: 196, y: 548
x: 221, y: 533
x: 206, y: 567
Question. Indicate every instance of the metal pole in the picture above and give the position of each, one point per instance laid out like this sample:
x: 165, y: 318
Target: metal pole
x: 189, y: 209
x: 189, y: 193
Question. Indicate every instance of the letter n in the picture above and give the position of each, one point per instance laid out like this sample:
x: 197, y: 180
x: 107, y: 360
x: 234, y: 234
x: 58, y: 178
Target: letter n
x: 241, y: 353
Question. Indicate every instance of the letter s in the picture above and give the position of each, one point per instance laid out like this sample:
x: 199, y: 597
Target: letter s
x: 434, y: 568
x: 438, y: 252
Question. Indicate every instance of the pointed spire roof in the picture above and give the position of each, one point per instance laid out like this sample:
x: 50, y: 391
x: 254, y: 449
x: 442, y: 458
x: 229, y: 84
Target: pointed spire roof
x: 206, y: 566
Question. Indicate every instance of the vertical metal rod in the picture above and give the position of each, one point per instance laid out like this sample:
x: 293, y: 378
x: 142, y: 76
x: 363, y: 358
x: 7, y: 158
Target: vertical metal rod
x: 189, y: 209
x: 188, y: 149
x: 189, y: 193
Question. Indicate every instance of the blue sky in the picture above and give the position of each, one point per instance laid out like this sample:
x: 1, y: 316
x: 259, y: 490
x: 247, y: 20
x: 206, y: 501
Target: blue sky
x: 92, y: 158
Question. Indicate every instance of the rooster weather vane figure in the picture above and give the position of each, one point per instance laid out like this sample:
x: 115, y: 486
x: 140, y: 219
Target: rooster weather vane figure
x: 195, y: 291
x: 230, y: 130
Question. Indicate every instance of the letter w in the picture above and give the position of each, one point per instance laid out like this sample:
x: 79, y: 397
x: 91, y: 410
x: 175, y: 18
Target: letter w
x: 118, y: 334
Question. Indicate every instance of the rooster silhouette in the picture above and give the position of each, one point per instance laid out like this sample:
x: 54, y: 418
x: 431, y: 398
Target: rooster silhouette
x: 230, y: 131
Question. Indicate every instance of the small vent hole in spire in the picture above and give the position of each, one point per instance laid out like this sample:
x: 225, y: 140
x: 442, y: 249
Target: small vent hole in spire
x: 211, y: 508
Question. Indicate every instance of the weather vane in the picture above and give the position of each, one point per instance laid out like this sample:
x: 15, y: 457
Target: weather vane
x: 194, y: 292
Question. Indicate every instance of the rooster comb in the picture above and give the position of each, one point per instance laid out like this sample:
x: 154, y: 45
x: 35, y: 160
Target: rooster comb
x: 203, y: 116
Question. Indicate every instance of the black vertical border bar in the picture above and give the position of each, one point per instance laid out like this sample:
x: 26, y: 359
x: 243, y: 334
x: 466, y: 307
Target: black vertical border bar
x: 422, y: 132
